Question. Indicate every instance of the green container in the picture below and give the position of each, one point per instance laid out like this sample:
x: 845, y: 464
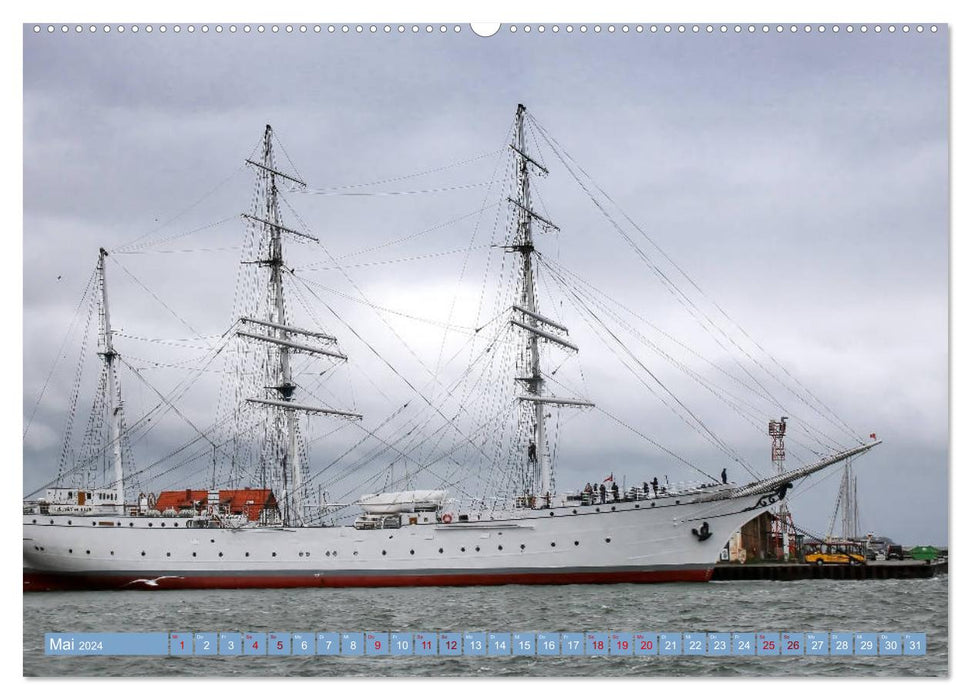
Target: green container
x: 924, y: 553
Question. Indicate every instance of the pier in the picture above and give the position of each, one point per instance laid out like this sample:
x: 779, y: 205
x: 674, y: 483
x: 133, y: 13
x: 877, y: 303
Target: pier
x: 793, y: 572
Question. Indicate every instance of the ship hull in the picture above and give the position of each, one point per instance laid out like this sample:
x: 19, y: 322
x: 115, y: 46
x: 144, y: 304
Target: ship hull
x: 649, y: 541
x: 68, y: 581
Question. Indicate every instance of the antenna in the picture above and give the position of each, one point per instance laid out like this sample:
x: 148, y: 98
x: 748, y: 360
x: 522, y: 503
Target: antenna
x: 783, y: 533
x: 851, y: 511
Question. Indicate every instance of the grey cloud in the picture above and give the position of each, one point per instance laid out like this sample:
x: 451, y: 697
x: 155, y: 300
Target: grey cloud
x: 801, y: 180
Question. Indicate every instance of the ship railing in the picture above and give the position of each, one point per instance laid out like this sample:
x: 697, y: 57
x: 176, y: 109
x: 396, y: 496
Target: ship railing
x: 501, y: 507
x: 390, y: 521
x: 633, y: 493
x: 682, y: 488
x: 510, y: 506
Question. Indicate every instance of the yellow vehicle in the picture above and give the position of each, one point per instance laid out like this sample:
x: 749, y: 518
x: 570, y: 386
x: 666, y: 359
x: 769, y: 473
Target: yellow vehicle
x: 820, y: 553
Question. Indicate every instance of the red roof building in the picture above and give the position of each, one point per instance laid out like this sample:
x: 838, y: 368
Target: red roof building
x: 249, y: 502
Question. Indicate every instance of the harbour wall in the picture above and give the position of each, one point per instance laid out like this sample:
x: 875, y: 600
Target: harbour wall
x: 793, y: 572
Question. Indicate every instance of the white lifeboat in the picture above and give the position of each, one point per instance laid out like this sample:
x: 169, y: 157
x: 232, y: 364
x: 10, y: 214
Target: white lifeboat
x: 402, y: 501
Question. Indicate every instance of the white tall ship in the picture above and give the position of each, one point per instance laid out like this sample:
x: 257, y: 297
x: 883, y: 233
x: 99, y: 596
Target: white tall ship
x: 98, y: 536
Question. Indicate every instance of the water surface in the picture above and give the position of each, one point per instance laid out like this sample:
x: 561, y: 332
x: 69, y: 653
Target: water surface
x: 743, y: 606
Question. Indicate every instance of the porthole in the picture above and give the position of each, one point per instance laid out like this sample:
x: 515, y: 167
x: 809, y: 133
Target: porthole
x: 68, y: 522
x: 613, y: 508
x: 112, y: 552
x: 440, y: 550
x: 87, y: 551
x: 355, y: 554
x: 274, y: 554
x: 168, y: 554
x: 70, y: 551
x: 677, y: 503
x: 150, y: 524
x: 598, y: 509
x: 247, y: 554
x: 574, y: 511
x: 220, y: 554
x: 299, y: 554
x: 552, y: 514
x: 52, y: 522
x: 552, y: 544
x: 334, y: 553
x: 500, y: 548
x: 193, y: 554
x: 383, y: 553
x: 163, y: 524
x: 94, y: 522
x: 477, y: 548
x: 522, y: 546
x: 131, y: 524
x: 175, y: 524
x: 412, y: 551
x: 34, y: 521
x: 213, y: 541
x: 143, y: 554
x: 607, y: 540
x: 463, y: 549
x: 576, y: 543
x: 637, y: 505
x: 653, y: 504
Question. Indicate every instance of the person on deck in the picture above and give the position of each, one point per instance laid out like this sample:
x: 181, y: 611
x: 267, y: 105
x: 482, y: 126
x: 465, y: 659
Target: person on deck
x: 532, y: 452
x: 616, y: 491
x: 724, y: 476
x: 654, y: 485
x: 603, y: 493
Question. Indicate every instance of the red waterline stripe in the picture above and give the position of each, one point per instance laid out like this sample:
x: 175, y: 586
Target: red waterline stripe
x: 37, y: 581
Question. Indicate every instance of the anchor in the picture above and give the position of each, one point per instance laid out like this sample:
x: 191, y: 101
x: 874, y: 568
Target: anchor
x: 702, y: 533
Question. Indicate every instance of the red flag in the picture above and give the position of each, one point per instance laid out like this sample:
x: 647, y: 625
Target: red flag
x: 609, y: 478
x: 873, y: 436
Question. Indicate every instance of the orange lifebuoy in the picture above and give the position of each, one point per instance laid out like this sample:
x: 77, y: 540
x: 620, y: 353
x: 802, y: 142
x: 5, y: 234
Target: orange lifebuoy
x: 447, y: 518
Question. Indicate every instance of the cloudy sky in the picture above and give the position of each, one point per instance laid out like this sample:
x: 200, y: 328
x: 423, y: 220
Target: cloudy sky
x: 801, y: 181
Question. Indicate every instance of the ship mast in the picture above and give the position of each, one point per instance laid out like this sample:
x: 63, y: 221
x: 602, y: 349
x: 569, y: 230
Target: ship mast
x: 285, y: 339
x: 115, y: 406
x: 537, y: 326
x: 291, y: 460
